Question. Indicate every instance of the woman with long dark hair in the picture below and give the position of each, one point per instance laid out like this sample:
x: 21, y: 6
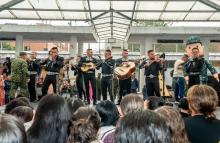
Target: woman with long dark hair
x: 51, y: 121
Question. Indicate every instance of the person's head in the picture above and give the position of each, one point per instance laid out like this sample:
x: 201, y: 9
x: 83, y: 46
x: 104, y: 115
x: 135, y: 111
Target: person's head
x: 108, y: 54
x: 108, y: 113
x: 74, y: 103
x: 11, y: 130
x: 151, y: 54
x: 195, y: 53
x: 33, y: 55
x: 176, y: 123
x: 142, y: 127
x: 202, y: 99
x: 15, y: 103
x: 89, y: 52
x: 183, y: 104
x: 23, y: 113
x: 84, y: 125
x: 23, y: 55
x: 54, y: 52
x: 125, y: 53
x: 185, y: 57
x: 51, y: 121
x: 153, y: 102
x: 130, y: 103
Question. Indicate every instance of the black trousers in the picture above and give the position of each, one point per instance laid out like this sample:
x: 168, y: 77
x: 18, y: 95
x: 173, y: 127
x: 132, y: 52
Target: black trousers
x: 91, y: 78
x: 193, y: 80
x: 49, y: 79
x: 32, y: 87
x: 79, y: 85
x: 106, y: 85
x: 124, y: 88
x: 153, y: 86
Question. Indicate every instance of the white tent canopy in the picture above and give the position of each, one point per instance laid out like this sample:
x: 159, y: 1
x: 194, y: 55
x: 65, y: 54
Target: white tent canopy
x: 111, y: 18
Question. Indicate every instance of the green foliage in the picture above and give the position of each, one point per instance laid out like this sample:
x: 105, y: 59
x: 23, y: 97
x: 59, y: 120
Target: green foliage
x: 7, y: 46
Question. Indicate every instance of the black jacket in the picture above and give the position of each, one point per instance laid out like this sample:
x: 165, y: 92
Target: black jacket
x: 202, y: 130
x: 54, y: 66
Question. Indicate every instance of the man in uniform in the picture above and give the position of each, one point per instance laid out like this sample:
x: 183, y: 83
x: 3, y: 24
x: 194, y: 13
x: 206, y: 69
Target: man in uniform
x: 89, y: 76
x: 124, y: 85
x: 53, y: 65
x: 34, y: 70
x: 19, y: 75
x: 195, y: 70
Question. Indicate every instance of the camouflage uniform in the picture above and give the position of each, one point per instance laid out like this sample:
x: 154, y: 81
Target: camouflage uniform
x: 196, y: 69
x: 19, y: 77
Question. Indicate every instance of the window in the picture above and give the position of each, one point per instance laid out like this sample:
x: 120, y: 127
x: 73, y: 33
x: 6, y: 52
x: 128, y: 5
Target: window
x: 134, y: 47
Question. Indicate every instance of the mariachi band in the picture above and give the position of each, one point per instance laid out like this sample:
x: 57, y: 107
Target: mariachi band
x: 84, y: 68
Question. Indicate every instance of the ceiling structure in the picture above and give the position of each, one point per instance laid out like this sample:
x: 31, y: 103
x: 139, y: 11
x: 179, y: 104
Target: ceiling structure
x: 111, y: 18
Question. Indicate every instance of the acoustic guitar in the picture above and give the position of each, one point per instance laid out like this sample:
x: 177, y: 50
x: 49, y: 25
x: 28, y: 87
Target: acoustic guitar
x: 125, y: 70
x: 87, y: 66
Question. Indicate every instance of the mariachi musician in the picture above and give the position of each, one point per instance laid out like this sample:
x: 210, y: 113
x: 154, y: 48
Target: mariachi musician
x: 53, y: 65
x: 34, y: 69
x: 107, y: 75
x: 124, y: 84
x: 89, y: 62
x: 152, y: 69
x: 79, y: 77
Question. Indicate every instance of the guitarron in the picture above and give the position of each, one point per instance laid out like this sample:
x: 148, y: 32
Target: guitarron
x: 125, y: 71
x: 87, y: 66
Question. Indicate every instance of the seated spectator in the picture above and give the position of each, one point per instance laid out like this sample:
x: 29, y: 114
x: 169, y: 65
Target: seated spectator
x: 217, y: 111
x: 109, y: 116
x: 202, y: 126
x: 153, y: 102
x: 24, y: 114
x: 11, y: 130
x: 176, y: 123
x: 142, y: 127
x: 51, y: 121
x: 21, y: 101
x: 184, y: 108
x: 74, y: 103
x: 84, y: 126
x: 130, y: 103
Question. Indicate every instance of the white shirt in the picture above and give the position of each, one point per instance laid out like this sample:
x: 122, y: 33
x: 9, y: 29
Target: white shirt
x: 178, y: 68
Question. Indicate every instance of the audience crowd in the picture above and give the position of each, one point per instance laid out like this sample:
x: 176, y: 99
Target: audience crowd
x: 59, y: 120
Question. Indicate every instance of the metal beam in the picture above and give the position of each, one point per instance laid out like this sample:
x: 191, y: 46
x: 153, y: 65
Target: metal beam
x: 190, y: 10
x: 53, y: 19
x: 132, y: 18
x: 101, y: 23
x: 126, y: 10
x: 123, y: 15
x: 10, y: 4
x: 34, y: 9
x: 140, y: 0
x: 121, y: 23
x: 210, y: 4
x: 98, y: 16
x: 61, y: 12
x: 90, y: 14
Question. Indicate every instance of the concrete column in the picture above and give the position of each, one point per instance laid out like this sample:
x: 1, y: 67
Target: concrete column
x: 80, y: 48
x: 73, y: 46
x: 19, y: 44
x: 146, y: 44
